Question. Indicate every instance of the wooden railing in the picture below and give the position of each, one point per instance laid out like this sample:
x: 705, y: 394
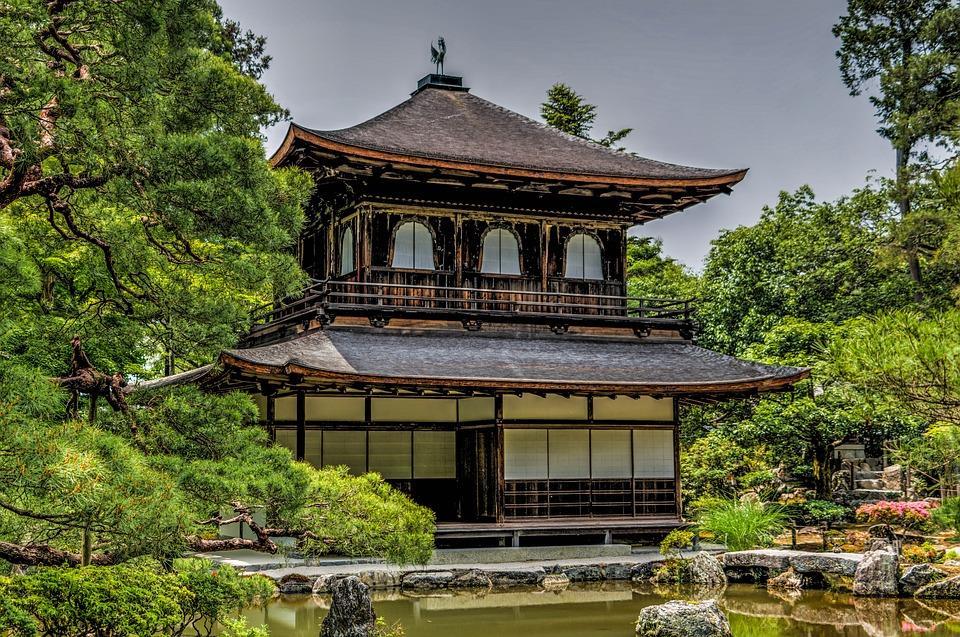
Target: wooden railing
x: 381, y: 301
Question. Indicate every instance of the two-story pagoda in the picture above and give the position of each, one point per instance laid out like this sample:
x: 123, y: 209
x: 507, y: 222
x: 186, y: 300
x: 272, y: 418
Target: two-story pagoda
x: 469, y: 335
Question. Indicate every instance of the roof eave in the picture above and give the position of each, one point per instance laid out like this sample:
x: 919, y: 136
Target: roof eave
x: 295, y: 133
x: 760, y: 384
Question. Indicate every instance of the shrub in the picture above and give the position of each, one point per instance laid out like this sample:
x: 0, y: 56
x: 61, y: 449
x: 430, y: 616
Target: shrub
x: 743, y: 525
x: 947, y: 515
x: 908, y: 514
x: 127, y: 600
x: 921, y: 553
x: 676, y: 540
x: 824, y: 511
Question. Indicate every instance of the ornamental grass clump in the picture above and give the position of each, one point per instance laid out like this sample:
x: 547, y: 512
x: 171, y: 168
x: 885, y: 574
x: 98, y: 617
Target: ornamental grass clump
x: 911, y: 515
x: 743, y: 525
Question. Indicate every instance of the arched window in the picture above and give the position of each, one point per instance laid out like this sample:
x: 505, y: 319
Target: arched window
x: 583, y: 258
x: 413, y: 246
x: 501, y: 254
x: 346, y: 251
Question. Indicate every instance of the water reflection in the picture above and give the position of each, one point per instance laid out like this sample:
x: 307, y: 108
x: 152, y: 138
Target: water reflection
x: 610, y: 609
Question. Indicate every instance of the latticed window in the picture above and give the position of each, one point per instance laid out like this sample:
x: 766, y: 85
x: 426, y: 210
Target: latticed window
x: 413, y: 246
x: 583, y: 258
x: 501, y: 254
x: 346, y: 251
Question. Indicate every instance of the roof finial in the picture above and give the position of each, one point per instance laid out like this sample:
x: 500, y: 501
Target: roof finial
x: 437, y: 53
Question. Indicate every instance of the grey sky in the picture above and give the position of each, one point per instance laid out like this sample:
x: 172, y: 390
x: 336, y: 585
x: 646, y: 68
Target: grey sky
x: 714, y: 83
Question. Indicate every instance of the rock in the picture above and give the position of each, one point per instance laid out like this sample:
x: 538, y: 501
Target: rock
x: 918, y: 576
x: 419, y: 580
x: 323, y: 583
x: 555, y: 582
x: 522, y: 577
x: 765, y: 563
x: 683, y: 619
x: 583, y: 573
x: 877, y: 574
x: 835, y: 563
x: 295, y: 584
x: 619, y: 571
x: 788, y: 580
x: 473, y: 578
x: 351, y: 611
x: 948, y: 588
x: 705, y: 569
x: 645, y: 571
x: 379, y: 579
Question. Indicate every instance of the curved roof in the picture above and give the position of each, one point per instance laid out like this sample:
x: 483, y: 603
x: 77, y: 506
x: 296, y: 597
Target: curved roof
x: 438, y: 358
x: 456, y: 129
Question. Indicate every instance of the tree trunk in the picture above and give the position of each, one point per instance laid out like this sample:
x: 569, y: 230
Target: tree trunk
x: 43, y: 555
x: 903, y: 203
x: 87, y: 547
x: 821, y: 470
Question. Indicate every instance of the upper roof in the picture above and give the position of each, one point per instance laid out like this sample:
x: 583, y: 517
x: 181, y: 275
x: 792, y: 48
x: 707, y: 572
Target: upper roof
x: 486, y: 361
x: 455, y: 129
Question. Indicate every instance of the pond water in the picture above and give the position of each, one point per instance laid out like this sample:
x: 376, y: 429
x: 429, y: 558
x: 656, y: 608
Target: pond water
x: 611, y: 609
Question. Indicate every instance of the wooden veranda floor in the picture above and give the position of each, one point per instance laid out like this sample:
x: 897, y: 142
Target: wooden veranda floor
x: 542, y: 527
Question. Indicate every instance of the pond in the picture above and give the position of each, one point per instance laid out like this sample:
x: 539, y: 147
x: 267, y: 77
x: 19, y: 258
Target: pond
x: 611, y: 609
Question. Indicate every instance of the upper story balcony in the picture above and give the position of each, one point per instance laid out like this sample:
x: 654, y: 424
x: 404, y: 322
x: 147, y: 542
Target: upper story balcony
x: 383, y: 294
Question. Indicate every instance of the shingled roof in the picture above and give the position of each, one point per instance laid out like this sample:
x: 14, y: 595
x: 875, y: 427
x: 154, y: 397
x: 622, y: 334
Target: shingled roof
x: 437, y: 358
x: 457, y: 127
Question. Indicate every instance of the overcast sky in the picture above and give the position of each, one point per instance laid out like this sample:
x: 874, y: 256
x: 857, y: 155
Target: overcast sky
x: 713, y: 83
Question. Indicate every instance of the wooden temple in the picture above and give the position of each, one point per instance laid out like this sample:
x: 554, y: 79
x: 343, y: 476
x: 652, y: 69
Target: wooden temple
x: 469, y: 335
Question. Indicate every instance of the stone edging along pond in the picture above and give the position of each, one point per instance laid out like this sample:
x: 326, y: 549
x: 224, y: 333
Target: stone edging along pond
x: 875, y: 573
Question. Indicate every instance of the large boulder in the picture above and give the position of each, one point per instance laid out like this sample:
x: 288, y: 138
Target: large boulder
x: 351, y: 611
x: 295, y: 584
x: 426, y: 580
x: 683, y: 619
x: 877, y: 574
x: 706, y: 570
x: 761, y: 564
x: 944, y: 589
x: 918, y: 576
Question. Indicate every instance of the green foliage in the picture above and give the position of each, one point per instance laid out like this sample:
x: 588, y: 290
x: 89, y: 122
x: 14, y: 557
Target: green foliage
x: 383, y: 629
x: 140, y: 207
x: 921, y: 553
x: 650, y: 274
x: 825, y: 511
x: 821, y: 263
x: 676, y: 541
x: 127, y: 600
x: 567, y: 111
x: 907, y: 50
x: 908, y: 356
x: 743, y: 525
x: 947, y: 515
x: 716, y: 465
x: 363, y: 515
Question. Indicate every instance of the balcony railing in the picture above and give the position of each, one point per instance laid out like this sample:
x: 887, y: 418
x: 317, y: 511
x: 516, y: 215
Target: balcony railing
x: 324, y: 301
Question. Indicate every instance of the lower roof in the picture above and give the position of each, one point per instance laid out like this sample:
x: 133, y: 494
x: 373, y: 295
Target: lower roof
x: 453, y: 359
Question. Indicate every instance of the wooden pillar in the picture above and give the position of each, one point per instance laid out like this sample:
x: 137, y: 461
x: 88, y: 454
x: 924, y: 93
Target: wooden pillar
x: 272, y: 417
x: 544, y: 255
x: 301, y: 424
x: 498, y: 450
x: 458, y: 250
x: 676, y: 455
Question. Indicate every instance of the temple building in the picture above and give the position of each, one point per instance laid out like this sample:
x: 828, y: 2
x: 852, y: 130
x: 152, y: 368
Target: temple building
x: 468, y: 333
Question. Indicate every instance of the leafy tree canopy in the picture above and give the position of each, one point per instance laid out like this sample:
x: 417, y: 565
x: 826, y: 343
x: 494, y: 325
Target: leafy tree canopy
x: 133, y: 182
x: 567, y: 111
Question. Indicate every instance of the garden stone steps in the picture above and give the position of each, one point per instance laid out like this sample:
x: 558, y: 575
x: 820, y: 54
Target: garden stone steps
x: 765, y: 563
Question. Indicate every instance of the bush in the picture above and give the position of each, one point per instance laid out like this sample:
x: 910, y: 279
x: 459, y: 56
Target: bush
x: 921, y: 553
x: 126, y: 600
x: 676, y: 540
x: 911, y: 515
x: 743, y: 525
x: 824, y: 511
x: 947, y: 515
